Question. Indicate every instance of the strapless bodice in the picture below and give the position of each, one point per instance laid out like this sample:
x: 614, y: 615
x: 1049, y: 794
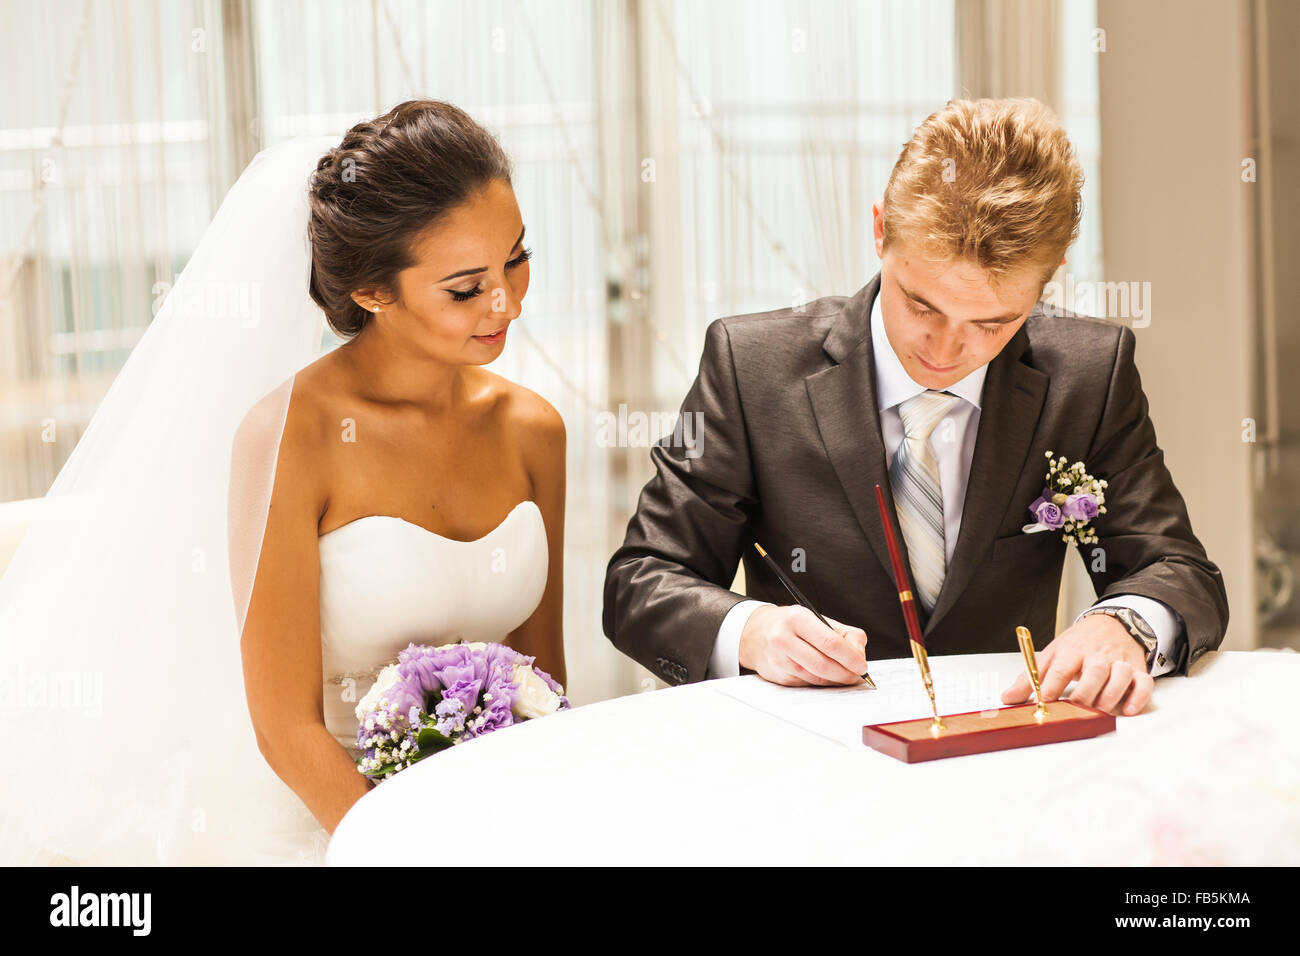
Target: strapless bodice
x: 385, y: 582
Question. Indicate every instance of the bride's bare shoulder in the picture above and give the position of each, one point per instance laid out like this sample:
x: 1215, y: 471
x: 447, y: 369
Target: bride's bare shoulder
x: 294, y: 415
x: 525, y: 412
x: 533, y: 424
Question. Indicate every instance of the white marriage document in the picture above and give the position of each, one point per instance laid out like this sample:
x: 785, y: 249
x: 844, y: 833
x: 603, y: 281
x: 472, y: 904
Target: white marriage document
x: 962, y: 682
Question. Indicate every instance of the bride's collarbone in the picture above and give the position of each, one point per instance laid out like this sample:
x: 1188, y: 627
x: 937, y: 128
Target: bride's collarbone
x: 456, y: 476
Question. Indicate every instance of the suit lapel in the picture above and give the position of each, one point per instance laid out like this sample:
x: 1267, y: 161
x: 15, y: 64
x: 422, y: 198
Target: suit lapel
x: 844, y: 405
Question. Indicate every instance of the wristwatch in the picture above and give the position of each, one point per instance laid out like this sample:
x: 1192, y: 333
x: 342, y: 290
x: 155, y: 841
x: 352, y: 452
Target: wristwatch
x: 1137, y: 626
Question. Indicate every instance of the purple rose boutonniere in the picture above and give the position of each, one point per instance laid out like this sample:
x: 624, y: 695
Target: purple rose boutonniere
x: 1070, y: 500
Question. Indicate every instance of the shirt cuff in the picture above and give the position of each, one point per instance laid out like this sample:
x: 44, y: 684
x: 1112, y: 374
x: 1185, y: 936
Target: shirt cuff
x: 725, y: 660
x: 1163, y: 621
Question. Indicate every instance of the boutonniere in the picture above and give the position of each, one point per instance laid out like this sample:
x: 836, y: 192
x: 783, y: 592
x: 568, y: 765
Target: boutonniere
x: 1070, y: 500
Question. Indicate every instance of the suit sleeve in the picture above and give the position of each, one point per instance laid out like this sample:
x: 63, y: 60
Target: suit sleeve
x: 1145, y: 536
x: 666, y: 589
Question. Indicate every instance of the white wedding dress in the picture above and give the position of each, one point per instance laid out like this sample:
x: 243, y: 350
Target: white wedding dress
x: 386, y: 583
x: 122, y: 707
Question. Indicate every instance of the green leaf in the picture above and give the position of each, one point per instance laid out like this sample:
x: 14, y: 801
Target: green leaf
x: 430, y: 740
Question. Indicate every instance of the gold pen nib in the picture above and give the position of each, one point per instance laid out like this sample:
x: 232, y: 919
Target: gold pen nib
x: 1031, y: 665
x: 923, y: 662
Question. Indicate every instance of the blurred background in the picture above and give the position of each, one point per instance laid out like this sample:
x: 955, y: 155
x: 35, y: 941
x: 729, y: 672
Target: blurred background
x: 677, y: 162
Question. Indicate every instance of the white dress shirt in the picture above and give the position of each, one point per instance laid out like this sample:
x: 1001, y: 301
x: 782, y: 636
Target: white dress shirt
x: 953, y: 447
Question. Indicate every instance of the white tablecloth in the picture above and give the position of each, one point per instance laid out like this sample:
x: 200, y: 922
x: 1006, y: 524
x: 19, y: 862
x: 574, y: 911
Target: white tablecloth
x: 1208, y: 774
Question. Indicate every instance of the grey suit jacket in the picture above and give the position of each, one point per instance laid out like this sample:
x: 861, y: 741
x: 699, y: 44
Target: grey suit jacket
x: 790, y: 455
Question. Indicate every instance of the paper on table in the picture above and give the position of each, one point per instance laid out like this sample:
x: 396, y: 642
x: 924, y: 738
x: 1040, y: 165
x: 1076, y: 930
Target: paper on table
x: 839, y: 713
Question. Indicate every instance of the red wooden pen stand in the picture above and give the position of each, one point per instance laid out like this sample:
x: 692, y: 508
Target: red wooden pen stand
x: 981, y: 731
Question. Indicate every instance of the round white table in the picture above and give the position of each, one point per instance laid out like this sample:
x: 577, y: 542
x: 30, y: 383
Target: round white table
x: 743, y: 772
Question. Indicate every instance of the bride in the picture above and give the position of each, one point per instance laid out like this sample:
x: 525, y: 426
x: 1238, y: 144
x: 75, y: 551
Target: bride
x: 388, y: 491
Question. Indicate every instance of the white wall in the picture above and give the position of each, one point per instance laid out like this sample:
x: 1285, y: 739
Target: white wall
x: 1173, y: 92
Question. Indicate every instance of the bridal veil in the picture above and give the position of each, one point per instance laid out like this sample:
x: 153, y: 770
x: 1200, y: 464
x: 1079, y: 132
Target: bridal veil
x: 125, y: 721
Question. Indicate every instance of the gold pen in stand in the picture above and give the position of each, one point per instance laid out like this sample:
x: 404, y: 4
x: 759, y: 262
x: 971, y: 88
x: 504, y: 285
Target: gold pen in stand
x: 908, y: 603
x: 1031, y: 665
x: 798, y: 596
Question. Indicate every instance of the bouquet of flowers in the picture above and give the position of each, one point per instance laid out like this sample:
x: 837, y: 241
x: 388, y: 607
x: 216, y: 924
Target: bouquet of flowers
x: 436, y: 697
x: 1069, y: 502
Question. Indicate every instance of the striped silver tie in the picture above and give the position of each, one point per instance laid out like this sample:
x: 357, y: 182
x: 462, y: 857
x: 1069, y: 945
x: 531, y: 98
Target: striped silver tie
x: 918, y: 495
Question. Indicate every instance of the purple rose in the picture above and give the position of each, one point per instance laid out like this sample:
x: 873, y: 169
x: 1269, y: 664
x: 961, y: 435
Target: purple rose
x: 404, y: 695
x: 1037, y: 502
x: 458, y: 663
x: 501, y: 654
x: 495, y: 716
x: 466, y: 691
x: 1082, y: 507
x: 1049, y: 514
x: 502, y: 688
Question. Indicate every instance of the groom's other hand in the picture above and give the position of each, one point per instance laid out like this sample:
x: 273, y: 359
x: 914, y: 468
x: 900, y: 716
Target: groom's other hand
x: 788, y: 645
x: 1099, y: 653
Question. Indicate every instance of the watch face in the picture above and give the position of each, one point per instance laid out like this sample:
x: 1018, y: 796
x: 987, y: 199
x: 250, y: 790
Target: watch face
x: 1140, y: 625
x: 1135, y: 623
x: 1143, y: 633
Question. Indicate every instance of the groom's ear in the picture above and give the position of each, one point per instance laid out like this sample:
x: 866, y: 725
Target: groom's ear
x: 878, y: 228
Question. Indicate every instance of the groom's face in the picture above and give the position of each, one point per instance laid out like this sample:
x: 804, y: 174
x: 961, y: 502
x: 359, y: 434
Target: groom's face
x: 944, y: 319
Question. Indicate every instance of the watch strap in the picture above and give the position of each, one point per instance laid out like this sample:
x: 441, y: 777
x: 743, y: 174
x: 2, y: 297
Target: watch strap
x: 1150, y: 645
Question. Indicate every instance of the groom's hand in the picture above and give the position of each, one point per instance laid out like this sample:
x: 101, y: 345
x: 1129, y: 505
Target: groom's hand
x: 788, y: 645
x: 1101, y: 655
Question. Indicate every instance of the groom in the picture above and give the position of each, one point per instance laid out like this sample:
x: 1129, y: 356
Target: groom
x: 945, y: 381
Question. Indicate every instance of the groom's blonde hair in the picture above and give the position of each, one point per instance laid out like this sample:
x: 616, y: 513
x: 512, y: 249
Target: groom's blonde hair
x: 993, y: 182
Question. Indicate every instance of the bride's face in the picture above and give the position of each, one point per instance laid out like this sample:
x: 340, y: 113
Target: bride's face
x: 468, y: 284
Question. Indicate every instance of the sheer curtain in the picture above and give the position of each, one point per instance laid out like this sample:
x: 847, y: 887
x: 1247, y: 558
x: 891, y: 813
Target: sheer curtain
x: 676, y: 162
x: 106, y: 183
x: 786, y: 134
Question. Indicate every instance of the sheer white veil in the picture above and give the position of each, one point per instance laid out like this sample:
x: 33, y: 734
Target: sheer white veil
x: 122, y: 706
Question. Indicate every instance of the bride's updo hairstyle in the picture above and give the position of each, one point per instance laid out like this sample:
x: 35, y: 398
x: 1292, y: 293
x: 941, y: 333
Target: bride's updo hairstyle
x: 390, y: 179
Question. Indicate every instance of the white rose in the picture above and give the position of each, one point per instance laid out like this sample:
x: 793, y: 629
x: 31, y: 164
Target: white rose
x: 535, y: 699
x: 383, y: 683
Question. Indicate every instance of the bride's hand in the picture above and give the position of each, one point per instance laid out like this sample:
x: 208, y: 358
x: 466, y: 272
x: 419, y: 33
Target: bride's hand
x: 788, y: 645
